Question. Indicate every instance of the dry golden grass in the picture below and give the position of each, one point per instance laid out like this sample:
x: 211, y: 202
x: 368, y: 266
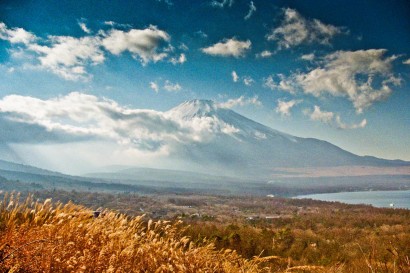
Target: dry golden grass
x: 42, y: 237
x: 47, y: 237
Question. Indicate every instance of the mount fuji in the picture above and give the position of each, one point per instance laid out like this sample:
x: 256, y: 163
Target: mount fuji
x: 210, y: 148
x: 244, y: 146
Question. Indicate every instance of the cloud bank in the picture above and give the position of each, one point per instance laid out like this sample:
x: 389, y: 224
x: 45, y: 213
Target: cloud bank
x: 69, y: 57
x: 363, y: 77
x: 82, y: 116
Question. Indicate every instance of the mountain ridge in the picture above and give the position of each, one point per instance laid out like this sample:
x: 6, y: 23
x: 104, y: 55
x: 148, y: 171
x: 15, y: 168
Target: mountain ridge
x: 254, y: 145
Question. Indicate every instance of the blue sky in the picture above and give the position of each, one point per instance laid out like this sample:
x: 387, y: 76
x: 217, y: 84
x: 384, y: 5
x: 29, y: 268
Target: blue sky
x: 333, y: 70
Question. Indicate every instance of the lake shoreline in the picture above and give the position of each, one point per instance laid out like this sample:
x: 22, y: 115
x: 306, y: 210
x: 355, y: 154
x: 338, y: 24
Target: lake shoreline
x: 381, y: 199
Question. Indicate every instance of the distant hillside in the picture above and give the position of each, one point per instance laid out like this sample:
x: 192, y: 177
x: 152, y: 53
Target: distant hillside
x: 152, y: 181
x: 15, y: 167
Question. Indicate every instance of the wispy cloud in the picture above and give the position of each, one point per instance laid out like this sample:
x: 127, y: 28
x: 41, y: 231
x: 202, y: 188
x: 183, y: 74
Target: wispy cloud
x: 180, y: 60
x: 264, y: 54
x: 235, y: 76
x: 296, y: 30
x: 84, y: 27
x: 406, y: 61
x: 332, y: 119
x: 241, y: 101
x: 229, y: 48
x: 172, y: 87
x: 248, y: 81
x: 183, y: 47
x: 284, y: 107
x: 342, y: 125
x: 222, y: 3
x: 168, y: 2
x: 154, y: 86
x: 280, y: 82
x: 201, y: 34
x: 308, y: 57
x: 251, y: 11
x: 318, y: 115
x: 117, y: 25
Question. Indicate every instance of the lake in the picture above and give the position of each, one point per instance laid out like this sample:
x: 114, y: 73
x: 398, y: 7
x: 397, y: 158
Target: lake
x: 400, y: 199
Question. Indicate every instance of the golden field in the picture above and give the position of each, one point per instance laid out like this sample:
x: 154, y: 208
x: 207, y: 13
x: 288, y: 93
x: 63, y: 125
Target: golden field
x: 53, y: 237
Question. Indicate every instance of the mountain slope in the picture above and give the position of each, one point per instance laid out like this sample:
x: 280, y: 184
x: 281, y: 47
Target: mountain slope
x: 252, y: 148
x: 15, y: 167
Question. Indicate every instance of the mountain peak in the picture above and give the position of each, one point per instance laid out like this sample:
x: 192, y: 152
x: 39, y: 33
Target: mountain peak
x: 201, y: 104
x: 194, y: 108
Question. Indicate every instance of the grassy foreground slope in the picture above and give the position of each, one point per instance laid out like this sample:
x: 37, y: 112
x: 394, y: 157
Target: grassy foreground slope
x: 42, y: 237
x: 46, y: 237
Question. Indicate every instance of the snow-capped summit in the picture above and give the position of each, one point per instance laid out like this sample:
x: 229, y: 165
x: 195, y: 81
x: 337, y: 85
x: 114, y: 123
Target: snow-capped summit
x: 194, y: 108
x: 245, y: 129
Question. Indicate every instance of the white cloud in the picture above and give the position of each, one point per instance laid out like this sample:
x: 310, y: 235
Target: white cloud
x: 115, y: 24
x: 282, y: 83
x: 172, y: 87
x: 84, y: 27
x: 235, y: 76
x: 284, y: 107
x: 308, y: 57
x: 351, y: 74
x: 264, y: 54
x: 165, y: 85
x: 81, y: 115
x: 141, y: 43
x: 201, y: 34
x: 180, y: 60
x: 251, y: 11
x: 296, y: 30
x: 241, y: 101
x: 332, y: 119
x: 109, y: 23
x: 154, y: 86
x: 248, y: 81
x: 67, y: 56
x: 229, y: 48
x: 222, y: 3
x: 183, y: 47
x: 342, y: 125
x: 322, y: 116
x: 16, y: 35
x: 168, y: 2
x: 406, y: 61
